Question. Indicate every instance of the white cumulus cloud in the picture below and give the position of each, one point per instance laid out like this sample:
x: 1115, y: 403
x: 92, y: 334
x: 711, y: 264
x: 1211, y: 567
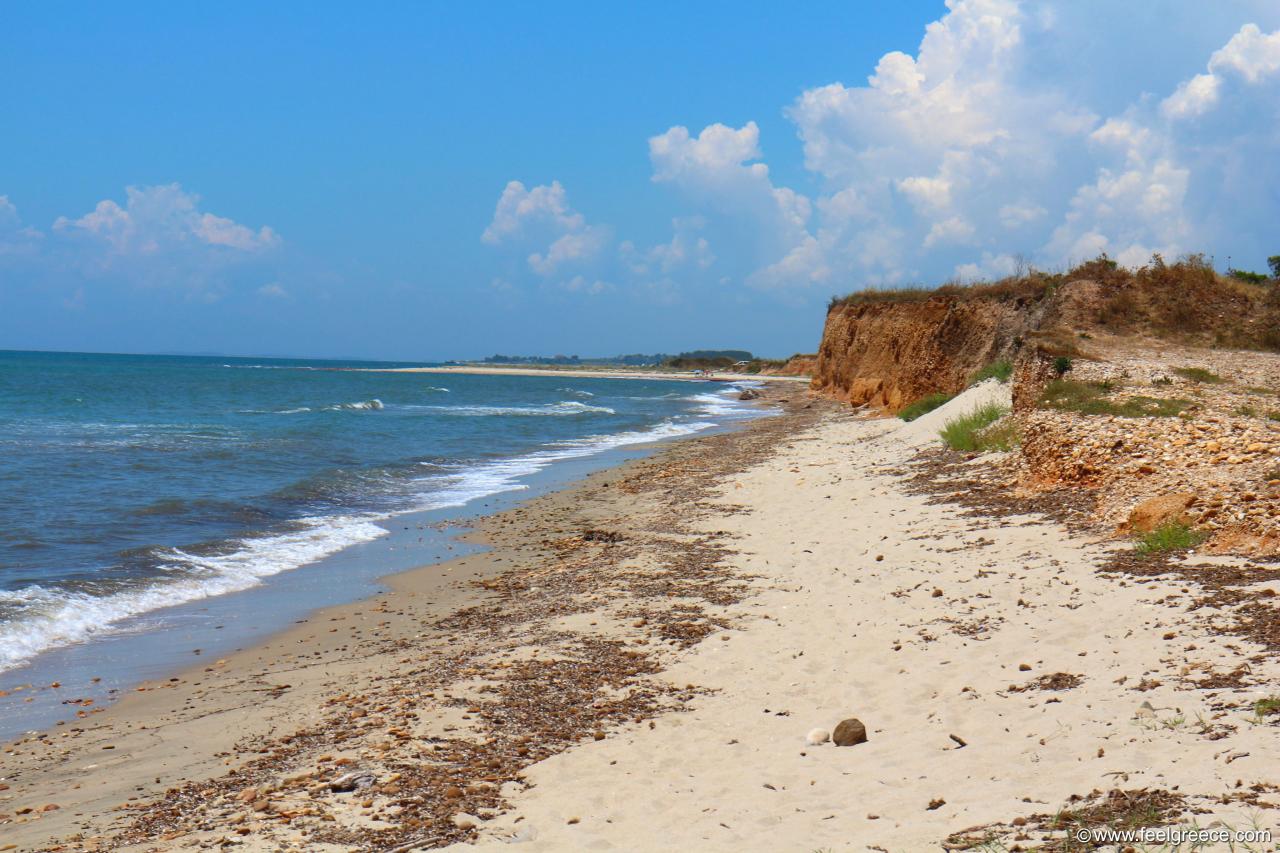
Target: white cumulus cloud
x: 159, y: 218
x: 1250, y: 55
x: 982, y: 151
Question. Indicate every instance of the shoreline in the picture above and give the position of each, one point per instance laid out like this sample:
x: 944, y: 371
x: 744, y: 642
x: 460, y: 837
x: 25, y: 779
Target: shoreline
x: 123, y: 747
x: 134, y: 648
x: 641, y: 661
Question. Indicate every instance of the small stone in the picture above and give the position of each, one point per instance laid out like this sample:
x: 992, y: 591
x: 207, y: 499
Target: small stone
x: 1145, y: 711
x: 453, y: 792
x: 879, y: 557
x: 817, y: 736
x: 1169, y: 635
x: 935, y: 804
x: 571, y: 821
x: 356, y: 779
x: 850, y: 732
x: 1024, y: 667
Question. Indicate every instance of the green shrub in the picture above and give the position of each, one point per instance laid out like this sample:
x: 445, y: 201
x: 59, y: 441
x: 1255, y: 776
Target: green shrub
x: 924, y: 405
x: 1061, y: 365
x: 966, y: 431
x: 1199, y: 374
x: 1173, y: 536
x: 1091, y: 398
x: 1274, y: 263
x: 1273, y: 415
x: 1246, y: 276
x: 1000, y: 369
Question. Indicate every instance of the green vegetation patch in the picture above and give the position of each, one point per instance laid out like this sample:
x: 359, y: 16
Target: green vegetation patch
x: 1248, y: 276
x: 1267, y: 707
x: 1199, y: 374
x: 1093, y: 398
x: 969, y: 432
x: 1000, y: 369
x: 924, y: 406
x: 1173, y: 536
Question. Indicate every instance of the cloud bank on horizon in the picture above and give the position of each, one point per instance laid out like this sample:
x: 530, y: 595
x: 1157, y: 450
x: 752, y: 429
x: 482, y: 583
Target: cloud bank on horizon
x: 159, y: 236
x: 964, y: 161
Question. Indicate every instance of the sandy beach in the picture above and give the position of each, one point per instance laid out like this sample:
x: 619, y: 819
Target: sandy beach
x: 655, y: 658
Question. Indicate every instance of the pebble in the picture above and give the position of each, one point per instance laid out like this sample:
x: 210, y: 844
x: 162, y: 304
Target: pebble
x: 817, y: 736
x: 850, y: 732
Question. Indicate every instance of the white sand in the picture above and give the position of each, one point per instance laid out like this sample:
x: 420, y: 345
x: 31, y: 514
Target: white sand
x: 925, y: 428
x: 832, y: 633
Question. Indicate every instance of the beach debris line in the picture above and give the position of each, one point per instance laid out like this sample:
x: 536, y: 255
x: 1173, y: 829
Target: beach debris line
x: 427, y: 753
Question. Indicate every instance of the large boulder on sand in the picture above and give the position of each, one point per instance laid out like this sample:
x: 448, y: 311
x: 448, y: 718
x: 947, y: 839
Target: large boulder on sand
x: 1159, y: 511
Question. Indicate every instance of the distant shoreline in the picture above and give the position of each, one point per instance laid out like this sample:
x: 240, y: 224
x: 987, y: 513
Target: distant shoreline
x: 595, y: 373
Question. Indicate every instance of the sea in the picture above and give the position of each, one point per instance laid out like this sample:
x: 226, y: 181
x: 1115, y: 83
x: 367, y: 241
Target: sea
x: 152, y: 503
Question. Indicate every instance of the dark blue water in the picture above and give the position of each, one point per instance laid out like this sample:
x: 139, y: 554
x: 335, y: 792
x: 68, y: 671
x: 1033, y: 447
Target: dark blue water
x: 135, y: 483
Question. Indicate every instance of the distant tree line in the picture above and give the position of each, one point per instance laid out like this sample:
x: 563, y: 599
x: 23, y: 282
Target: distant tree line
x: 694, y: 358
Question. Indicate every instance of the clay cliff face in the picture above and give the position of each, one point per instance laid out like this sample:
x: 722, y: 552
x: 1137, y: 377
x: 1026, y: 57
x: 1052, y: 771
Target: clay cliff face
x: 797, y: 365
x: 888, y: 349
x: 889, y: 354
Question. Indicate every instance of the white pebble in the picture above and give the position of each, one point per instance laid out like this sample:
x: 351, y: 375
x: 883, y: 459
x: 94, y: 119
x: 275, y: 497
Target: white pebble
x: 817, y: 736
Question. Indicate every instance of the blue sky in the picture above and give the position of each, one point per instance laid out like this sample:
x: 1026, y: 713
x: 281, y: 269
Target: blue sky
x: 428, y: 181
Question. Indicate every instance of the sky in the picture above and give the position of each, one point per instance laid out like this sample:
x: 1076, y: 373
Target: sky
x: 428, y: 181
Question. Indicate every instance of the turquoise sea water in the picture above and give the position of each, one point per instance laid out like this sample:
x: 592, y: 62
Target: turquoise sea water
x: 132, y: 484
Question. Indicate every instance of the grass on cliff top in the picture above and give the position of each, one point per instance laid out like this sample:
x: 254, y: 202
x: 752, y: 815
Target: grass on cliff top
x: 1183, y: 299
x: 924, y: 406
x: 1000, y: 369
x: 1093, y: 398
x: 1034, y: 285
x: 1173, y: 536
x: 972, y: 432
